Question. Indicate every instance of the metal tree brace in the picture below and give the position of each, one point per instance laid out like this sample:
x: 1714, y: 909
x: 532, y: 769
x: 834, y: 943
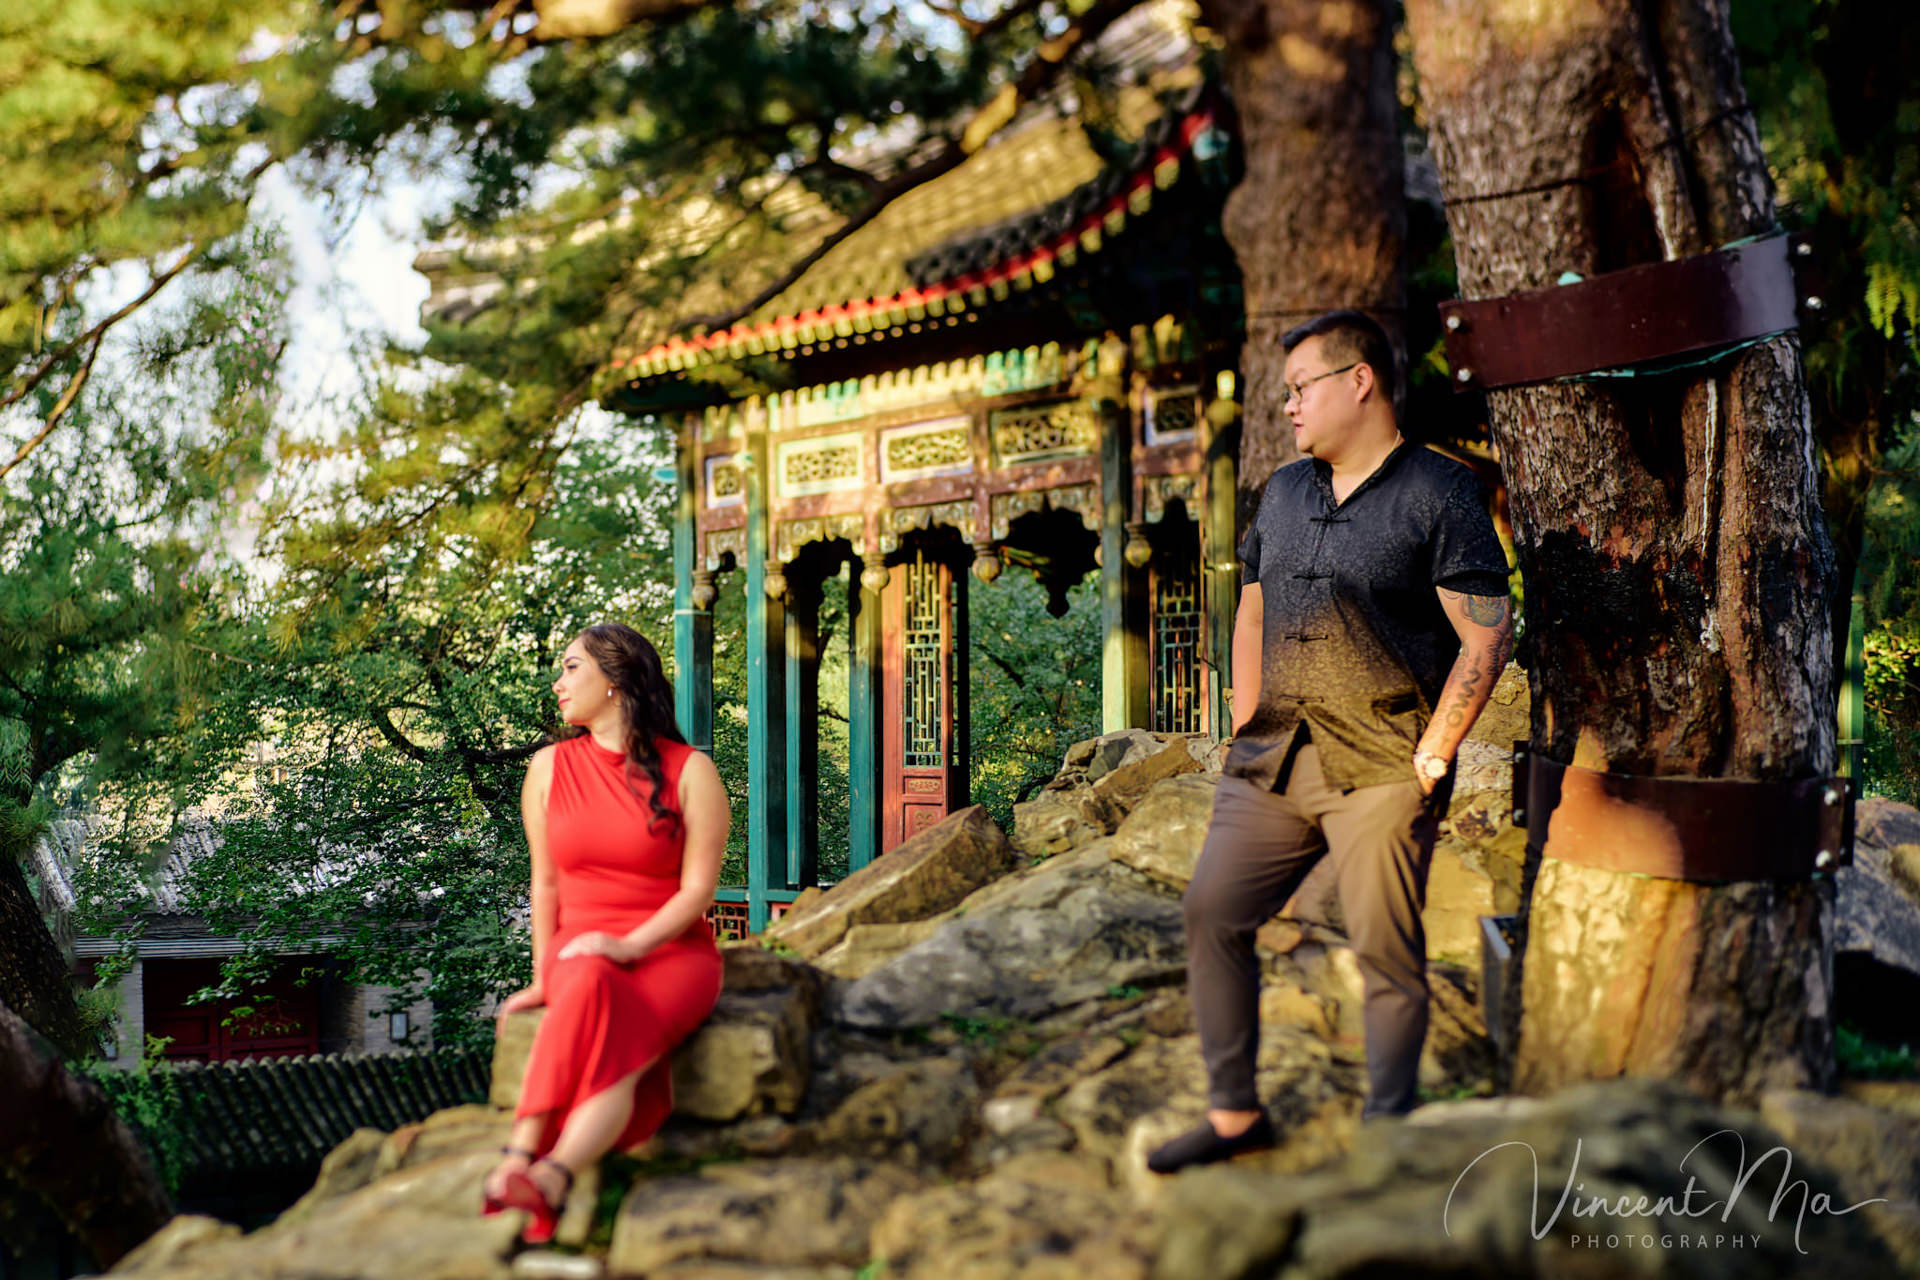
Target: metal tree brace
x: 1640, y: 316
x: 1706, y: 830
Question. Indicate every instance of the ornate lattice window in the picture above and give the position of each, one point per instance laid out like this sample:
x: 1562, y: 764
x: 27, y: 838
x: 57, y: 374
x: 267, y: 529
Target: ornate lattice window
x: 1176, y: 645
x: 729, y: 920
x: 922, y: 641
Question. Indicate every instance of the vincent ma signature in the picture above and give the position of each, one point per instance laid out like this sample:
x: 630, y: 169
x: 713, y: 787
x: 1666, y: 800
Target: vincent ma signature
x: 1629, y: 1205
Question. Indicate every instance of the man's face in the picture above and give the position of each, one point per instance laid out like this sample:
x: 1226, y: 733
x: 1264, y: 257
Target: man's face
x: 1323, y: 409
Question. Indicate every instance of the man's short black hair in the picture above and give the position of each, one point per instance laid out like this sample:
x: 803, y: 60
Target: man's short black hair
x: 1351, y: 336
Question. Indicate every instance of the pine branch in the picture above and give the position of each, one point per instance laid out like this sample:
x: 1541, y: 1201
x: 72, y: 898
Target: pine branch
x: 1049, y: 62
x: 60, y: 407
x: 985, y: 29
x: 52, y: 362
x: 400, y: 742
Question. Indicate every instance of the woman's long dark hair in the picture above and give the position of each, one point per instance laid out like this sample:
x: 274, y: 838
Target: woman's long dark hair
x: 632, y: 666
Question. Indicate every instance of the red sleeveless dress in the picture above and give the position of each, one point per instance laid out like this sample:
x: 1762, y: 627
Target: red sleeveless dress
x: 605, y: 1020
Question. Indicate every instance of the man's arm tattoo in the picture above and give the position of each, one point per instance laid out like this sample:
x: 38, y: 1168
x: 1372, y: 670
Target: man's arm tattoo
x: 1487, y: 611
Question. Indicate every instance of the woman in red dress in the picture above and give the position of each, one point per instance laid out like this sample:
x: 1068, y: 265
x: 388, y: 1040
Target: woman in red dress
x: 626, y: 824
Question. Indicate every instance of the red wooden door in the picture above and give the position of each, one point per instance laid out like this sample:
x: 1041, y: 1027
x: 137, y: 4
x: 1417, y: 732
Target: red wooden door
x: 918, y: 700
x: 282, y: 1020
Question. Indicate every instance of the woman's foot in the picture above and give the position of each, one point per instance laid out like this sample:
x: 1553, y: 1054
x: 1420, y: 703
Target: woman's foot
x: 494, y: 1190
x: 541, y: 1190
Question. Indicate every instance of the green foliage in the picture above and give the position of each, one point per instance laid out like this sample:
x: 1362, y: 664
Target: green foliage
x: 1890, y: 572
x: 985, y: 1033
x: 402, y: 694
x: 147, y: 1098
x: 1868, y: 1059
x: 1035, y: 686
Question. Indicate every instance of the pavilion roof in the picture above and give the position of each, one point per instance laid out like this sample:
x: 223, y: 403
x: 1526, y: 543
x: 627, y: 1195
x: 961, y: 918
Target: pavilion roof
x: 1055, y: 187
x: 1007, y: 219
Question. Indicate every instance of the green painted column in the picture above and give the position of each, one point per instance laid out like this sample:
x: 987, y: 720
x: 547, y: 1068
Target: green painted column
x: 692, y: 614
x: 766, y: 693
x: 803, y: 736
x: 1123, y: 660
x: 1220, y: 567
x: 864, y: 772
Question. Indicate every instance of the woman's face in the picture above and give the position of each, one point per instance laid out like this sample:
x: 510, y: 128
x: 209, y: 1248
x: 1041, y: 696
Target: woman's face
x: 583, y: 689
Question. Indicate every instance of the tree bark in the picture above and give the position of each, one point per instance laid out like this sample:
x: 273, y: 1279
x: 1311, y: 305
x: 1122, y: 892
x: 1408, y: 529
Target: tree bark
x: 1319, y: 217
x: 60, y: 1139
x: 1676, y: 565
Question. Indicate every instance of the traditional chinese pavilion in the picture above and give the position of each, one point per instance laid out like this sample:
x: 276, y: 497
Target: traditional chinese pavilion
x: 1028, y: 362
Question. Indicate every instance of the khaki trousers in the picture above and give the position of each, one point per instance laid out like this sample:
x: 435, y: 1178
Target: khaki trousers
x: 1260, y: 845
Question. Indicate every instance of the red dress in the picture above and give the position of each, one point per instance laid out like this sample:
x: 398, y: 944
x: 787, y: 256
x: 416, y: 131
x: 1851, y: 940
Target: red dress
x: 605, y: 1020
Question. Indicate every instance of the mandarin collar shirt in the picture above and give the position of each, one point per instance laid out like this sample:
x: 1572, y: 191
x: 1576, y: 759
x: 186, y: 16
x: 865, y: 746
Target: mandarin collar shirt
x: 1354, y: 644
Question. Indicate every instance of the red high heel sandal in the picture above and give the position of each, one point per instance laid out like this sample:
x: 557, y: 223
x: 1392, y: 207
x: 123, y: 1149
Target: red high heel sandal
x: 544, y: 1214
x: 490, y: 1206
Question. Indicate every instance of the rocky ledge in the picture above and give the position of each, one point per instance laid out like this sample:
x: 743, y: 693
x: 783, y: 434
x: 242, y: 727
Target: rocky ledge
x: 950, y: 1066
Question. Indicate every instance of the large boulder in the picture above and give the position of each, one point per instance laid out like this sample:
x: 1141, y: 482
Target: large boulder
x: 418, y: 1222
x: 1040, y: 1216
x: 1100, y: 782
x: 1875, y: 1155
x: 797, y: 1212
x: 1163, y: 834
x: 752, y: 1055
x: 865, y: 947
x: 929, y: 873
x: 1054, y: 935
x: 920, y: 1114
x: 1877, y: 899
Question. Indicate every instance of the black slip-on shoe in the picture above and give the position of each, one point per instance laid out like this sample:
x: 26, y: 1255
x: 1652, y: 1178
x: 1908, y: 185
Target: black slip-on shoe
x: 1203, y: 1145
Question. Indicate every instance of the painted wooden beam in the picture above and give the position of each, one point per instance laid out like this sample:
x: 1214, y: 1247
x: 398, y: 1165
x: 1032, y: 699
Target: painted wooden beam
x: 766, y: 688
x: 692, y: 627
x: 1123, y: 653
x: 802, y: 657
x: 864, y: 773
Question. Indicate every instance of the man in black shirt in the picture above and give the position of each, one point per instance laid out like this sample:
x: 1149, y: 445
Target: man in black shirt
x: 1373, y: 623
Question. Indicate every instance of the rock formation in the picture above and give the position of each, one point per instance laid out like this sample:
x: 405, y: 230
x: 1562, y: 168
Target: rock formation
x: 950, y: 1066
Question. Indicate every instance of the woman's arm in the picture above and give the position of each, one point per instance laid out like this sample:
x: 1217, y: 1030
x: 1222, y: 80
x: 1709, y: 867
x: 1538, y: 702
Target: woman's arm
x: 703, y: 808
x: 533, y: 816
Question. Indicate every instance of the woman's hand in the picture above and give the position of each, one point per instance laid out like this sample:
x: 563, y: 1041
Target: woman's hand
x: 532, y: 997
x: 616, y: 949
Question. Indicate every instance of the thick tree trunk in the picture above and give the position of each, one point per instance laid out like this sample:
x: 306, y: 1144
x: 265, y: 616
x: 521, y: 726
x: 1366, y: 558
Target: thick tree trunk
x: 1319, y: 216
x: 1677, y: 568
x: 60, y: 1140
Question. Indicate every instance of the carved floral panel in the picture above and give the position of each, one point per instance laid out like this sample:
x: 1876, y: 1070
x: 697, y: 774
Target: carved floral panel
x: 823, y: 464
x: 941, y: 447
x: 1035, y: 433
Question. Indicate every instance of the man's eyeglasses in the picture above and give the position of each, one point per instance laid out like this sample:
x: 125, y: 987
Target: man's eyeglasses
x: 1298, y: 390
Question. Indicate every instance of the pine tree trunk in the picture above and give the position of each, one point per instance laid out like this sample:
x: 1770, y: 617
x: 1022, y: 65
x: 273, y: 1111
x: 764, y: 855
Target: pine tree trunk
x: 60, y: 1140
x: 1676, y: 566
x: 1318, y: 218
